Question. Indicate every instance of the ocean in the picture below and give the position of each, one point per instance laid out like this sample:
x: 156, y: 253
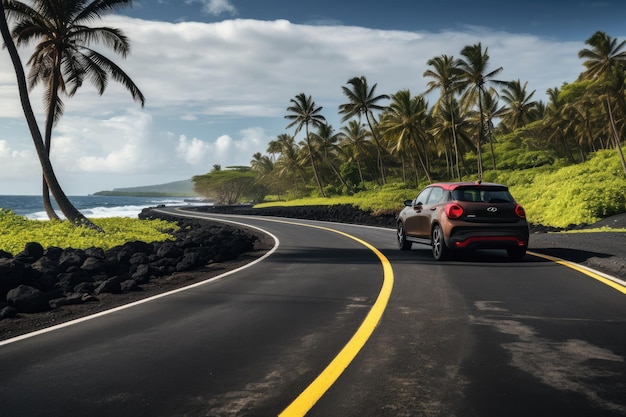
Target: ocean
x: 92, y: 206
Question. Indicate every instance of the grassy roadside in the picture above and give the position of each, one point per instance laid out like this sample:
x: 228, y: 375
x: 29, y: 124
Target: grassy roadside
x: 16, y: 231
x: 559, y: 197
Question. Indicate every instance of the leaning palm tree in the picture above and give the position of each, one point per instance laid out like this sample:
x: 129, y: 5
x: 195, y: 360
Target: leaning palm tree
x: 64, y: 55
x: 363, y: 101
x: 304, y: 113
x: 604, y: 62
x: 70, y: 212
x: 475, y: 81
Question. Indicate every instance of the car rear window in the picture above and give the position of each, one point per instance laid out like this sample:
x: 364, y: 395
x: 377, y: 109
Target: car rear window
x: 482, y: 194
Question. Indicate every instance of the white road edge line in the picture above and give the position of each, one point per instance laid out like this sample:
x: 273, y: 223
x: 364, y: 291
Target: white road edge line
x: 154, y: 297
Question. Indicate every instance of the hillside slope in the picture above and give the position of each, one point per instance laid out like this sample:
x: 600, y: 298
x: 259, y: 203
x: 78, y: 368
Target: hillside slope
x: 182, y: 188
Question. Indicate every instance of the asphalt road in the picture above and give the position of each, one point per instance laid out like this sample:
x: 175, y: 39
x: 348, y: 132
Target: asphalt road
x: 478, y: 336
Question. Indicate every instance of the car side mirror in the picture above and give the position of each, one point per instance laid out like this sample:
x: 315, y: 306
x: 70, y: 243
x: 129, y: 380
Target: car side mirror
x: 408, y: 203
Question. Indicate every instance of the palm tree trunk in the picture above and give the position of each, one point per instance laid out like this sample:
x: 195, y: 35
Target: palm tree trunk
x: 70, y: 212
x: 52, y: 108
x: 381, y: 164
x: 618, y: 146
x: 419, y: 156
x: 454, y: 138
x: 335, y: 171
x: 358, y: 165
x: 313, y: 165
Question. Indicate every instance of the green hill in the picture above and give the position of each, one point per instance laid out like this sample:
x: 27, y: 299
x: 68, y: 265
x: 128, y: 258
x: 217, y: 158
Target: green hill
x: 182, y: 188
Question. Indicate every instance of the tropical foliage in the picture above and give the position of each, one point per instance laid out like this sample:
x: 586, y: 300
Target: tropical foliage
x: 64, y: 57
x: 229, y: 186
x: 16, y: 230
x: 478, y: 127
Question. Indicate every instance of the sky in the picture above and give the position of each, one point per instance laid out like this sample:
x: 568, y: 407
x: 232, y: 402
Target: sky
x: 218, y: 76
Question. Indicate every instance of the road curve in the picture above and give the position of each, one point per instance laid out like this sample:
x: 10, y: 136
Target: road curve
x: 478, y: 336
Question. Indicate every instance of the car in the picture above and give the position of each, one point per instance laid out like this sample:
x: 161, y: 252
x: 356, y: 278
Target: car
x: 456, y: 216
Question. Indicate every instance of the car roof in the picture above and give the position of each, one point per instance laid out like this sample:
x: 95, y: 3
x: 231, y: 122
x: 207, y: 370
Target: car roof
x: 455, y: 185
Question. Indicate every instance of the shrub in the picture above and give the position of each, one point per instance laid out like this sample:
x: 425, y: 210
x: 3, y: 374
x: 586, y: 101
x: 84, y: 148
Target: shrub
x: 16, y: 231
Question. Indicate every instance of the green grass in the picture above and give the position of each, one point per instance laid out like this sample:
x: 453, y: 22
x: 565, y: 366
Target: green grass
x: 16, y: 231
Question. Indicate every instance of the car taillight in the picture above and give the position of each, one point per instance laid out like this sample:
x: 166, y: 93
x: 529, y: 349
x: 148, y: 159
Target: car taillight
x: 454, y: 211
x: 519, y: 210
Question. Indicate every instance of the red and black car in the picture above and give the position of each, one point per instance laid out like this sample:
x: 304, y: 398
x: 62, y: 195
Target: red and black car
x: 453, y: 216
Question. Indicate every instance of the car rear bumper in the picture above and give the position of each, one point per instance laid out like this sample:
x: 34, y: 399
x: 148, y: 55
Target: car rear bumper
x: 488, y: 238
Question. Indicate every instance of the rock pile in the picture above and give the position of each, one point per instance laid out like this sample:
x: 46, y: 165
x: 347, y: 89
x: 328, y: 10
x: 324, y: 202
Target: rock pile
x: 341, y: 213
x: 39, y: 279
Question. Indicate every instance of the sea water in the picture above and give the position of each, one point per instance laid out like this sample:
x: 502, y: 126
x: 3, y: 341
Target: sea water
x: 92, y: 206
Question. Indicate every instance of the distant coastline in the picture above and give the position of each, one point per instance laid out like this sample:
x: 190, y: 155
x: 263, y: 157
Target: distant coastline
x: 177, y: 189
x: 120, y: 193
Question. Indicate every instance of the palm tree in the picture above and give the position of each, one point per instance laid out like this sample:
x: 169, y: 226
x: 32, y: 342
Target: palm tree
x: 458, y: 135
x: 356, y: 144
x: 363, y: 101
x: 304, y: 113
x: 64, y: 56
x: 519, y: 107
x: 553, y: 123
x: 278, y: 146
x: 491, y: 110
x: 403, y: 120
x: 261, y: 164
x: 475, y: 81
x: 326, y: 140
x: 604, y: 62
x: 445, y: 77
x: 287, y: 163
x: 70, y: 212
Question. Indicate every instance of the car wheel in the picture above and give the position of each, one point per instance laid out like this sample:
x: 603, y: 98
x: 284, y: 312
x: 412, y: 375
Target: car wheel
x: 440, y: 251
x: 516, y: 254
x: 403, y: 244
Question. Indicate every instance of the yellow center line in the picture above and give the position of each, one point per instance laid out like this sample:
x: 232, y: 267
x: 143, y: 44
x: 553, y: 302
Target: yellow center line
x: 309, y: 397
x: 613, y: 284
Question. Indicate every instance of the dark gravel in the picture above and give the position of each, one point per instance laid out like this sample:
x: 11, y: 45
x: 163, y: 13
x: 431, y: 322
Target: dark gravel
x: 604, y: 251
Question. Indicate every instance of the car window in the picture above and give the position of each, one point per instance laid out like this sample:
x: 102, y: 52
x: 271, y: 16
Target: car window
x: 422, y: 197
x: 435, y: 195
x: 487, y: 195
x: 497, y: 196
x: 465, y: 194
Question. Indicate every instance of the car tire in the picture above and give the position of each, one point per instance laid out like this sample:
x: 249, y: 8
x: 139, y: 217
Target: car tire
x: 403, y: 244
x: 440, y: 251
x: 516, y: 254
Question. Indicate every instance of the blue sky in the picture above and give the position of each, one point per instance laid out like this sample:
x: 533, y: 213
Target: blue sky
x: 562, y: 19
x: 218, y: 76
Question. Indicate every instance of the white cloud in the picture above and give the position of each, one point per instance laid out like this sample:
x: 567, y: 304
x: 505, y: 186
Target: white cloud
x: 200, y: 153
x: 216, y: 93
x: 216, y: 7
x: 193, y: 151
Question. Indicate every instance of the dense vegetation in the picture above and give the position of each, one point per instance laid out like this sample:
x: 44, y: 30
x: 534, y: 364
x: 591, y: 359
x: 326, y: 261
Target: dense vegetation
x: 16, y: 230
x: 563, y: 159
